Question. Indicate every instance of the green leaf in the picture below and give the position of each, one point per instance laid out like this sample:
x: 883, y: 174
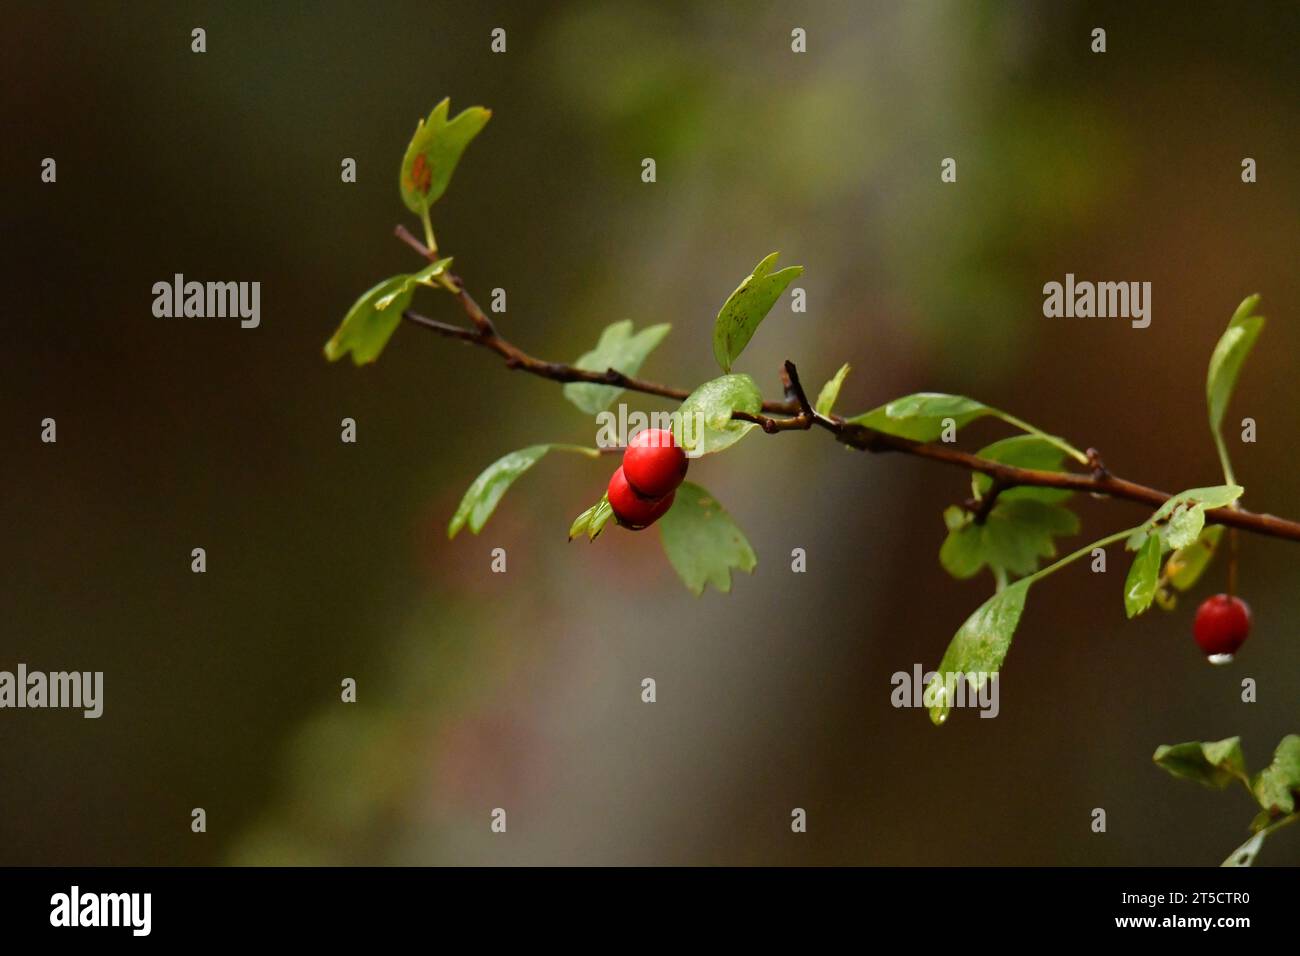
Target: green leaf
x: 1275, y: 787
x: 1014, y: 536
x: 434, y: 151
x: 592, y: 521
x: 1143, y: 577
x: 373, y: 318
x: 831, y: 391
x: 1215, y: 496
x: 1022, y: 451
x: 703, y: 544
x: 1245, y: 854
x: 1261, y: 821
x: 1186, y: 565
x: 747, y: 307
x: 367, y: 327
x: 703, y: 422
x: 617, y: 349
x: 1162, y: 521
x: 1184, y: 526
x: 920, y: 417
x: 978, y: 648
x: 484, y: 494
x: 1214, y: 764
x: 1226, y: 360
x: 425, y: 277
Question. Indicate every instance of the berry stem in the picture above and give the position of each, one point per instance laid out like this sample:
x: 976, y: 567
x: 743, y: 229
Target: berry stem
x: 1232, y: 562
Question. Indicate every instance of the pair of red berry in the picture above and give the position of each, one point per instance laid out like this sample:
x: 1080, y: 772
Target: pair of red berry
x: 642, y: 490
x: 1222, y: 626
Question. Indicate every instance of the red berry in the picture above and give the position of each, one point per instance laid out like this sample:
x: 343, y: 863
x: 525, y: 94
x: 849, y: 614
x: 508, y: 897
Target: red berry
x: 653, y: 463
x: 1222, y: 625
x: 632, y: 510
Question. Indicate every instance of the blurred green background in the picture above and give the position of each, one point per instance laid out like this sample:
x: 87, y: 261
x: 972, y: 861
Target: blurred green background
x: 480, y: 690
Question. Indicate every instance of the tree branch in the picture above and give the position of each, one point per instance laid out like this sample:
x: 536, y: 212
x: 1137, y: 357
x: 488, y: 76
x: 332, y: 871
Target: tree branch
x: 794, y: 413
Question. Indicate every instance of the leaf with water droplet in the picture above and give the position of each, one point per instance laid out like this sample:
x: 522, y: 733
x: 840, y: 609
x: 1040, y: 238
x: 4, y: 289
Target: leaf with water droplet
x: 977, y: 649
x: 1143, y: 578
x: 1245, y: 854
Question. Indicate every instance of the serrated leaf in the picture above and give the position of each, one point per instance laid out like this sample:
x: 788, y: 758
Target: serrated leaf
x: 831, y: 391
x: 434, y: 151
x: 1022, y: 451
x: 492, y: 483
x: 1228, y: 356
x: 1013, y: 537
x: 920, y: 417
x: 962, y: 553
x: 1214, y: 764
x: 703, y: 544
x: 703, y: 423
x: 592, y: 521
x: 745, y: 308
x: 978, y: 648
x: 955, y: 517
x: 1275, y: 787
x: 619, y: 349
x: 1186, y: 565
x: 1143, y: 578
x: 367, y: 327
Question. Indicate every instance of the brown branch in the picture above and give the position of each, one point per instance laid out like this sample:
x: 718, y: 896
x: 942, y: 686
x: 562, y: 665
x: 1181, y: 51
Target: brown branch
x: 485, y: 334
x: 795, y: 413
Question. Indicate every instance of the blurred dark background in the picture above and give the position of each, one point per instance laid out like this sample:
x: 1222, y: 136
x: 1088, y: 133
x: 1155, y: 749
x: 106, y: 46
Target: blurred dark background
x: 480, y: 690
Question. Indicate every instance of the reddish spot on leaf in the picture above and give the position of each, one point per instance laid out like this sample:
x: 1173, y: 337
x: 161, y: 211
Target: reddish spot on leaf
x: 421, y: 174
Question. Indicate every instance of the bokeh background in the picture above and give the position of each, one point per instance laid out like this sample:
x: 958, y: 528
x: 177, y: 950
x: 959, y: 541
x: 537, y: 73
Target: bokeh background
x: 521, y: 690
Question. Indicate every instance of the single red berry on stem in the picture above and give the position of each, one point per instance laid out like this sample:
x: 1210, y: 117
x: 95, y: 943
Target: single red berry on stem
x: 632, y: 510
x: 653, y: 464
x: 1222, y: 626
